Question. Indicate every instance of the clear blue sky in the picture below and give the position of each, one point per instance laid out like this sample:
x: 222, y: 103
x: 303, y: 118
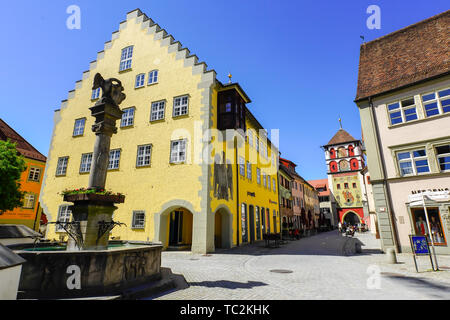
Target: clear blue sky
x: 297, y: 60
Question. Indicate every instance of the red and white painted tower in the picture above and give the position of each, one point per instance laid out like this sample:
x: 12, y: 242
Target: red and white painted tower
x: 346, y: 177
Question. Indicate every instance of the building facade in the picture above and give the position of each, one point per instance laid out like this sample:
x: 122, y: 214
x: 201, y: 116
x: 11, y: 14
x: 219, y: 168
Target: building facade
x: 30, y: 181
x: 196, y: 167
x: 405, y: 122
x: 327, y: 203
x: 345, y: 163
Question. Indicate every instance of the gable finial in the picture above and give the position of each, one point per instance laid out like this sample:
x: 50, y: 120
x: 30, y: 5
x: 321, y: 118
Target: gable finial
x: 340, y: 122
x: 229, y: 77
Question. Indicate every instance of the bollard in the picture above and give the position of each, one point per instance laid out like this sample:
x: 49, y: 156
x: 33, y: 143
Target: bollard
x: 391, y: 255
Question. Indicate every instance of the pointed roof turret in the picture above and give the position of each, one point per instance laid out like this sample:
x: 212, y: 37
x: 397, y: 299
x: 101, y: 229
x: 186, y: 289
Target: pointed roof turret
x: 341, y: 137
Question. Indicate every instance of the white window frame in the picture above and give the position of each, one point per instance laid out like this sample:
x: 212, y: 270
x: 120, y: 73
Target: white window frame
x: 95, y: 94
x: 242, y: 166
x: 114, y: 159
x: 402, y: 109
x: 126, y: 58
x: 443, y: 155
x: 61, y: 167
x: 138, y: 223
x: 437, y: 99
x: 179, y: 107
x: 178, y: 151
x: 64, y: 215
x: 78, y: 129
x: 258, y: 175
x: 158, y: 110
x: 269, y: 186
x: 127, y: 117
x: 29, y: 201
x: 153, y: 77
x: 412, y: 159
x: 34, y: 174
x: 250, y: 137
x: 144, y: 156
x: 140, y: 81
x: 249, y: 170
x: 264, y: 179
x: 86, y: 162
x: 274, y: 185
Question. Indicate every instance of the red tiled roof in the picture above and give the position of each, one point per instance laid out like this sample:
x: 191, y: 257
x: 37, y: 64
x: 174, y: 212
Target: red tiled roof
x: 320, y: 184
x: 25, y: 149
x: 340, y: 137
x: 407, y: 56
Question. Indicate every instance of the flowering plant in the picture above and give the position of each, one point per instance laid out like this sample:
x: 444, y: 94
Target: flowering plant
x: 89, y: 191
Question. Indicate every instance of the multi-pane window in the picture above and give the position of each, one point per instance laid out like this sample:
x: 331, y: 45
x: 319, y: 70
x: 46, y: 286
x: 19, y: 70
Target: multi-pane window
x: 274, y: 185
x: 257, y: 144
x: 138, y: 220
x: 86, y: 160
x: 140, y: 80
x: 29, y: 200
x: 178, y: 151
x: 436, y: 102
x: 78, y: 129
x: 153, y: 77
x: 34, y: 174
x: 63, y: 216
x: 413, y: 162
x: 258, y: 175
x: 268, y: 183
x: 95, y: 94
x: 114, y: 159
x: 144, y: 155
x: 158, y: 110
x: 242, y: 166
x: 443, y: 157
x: 264, y: 180
x: 61, y: 168
x: 250, y: 137
x: 402, y: 111
x: 249, y: 170
x: 127, y: 117
x: 126, y: 58
x: 180, y: 106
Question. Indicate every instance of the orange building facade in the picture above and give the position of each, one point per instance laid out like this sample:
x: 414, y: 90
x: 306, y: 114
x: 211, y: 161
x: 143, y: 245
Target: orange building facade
x: 29, y: 214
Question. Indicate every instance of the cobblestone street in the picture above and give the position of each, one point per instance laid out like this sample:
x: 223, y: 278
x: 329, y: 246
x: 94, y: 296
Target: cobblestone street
x: 317, y: 267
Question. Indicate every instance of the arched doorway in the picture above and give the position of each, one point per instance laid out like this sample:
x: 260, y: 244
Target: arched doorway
x: 175, y: 228
x: 351, y: 218
x: 223, y: 231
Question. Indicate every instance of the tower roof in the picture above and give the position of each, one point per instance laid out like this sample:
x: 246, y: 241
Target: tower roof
x: 24, y: 148
x: 340, y: 137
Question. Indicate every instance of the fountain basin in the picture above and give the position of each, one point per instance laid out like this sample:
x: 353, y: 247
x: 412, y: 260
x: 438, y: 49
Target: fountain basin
x: 58, y: 274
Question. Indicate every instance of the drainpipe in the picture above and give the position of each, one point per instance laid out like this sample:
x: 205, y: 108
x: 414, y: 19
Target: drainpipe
x: 237, y: 190
x: 385, y: 183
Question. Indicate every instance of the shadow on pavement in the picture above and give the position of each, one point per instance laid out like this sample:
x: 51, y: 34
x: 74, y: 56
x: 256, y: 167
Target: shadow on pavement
x: 228, y: 284
x: 419, y: 283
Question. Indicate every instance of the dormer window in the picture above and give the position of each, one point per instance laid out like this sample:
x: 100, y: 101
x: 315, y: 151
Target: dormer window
x: 126, y: 58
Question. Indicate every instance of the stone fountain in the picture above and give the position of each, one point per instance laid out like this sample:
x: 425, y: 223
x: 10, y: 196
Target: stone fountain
x: 89, y: 265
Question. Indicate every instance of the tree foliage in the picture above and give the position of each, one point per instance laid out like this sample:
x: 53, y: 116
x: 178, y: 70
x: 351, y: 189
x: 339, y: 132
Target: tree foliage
x: 12, y: 165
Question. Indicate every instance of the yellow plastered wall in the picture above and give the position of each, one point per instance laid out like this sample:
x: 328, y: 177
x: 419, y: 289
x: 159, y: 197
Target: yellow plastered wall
x: 146, y: 188
x: 263, y: 196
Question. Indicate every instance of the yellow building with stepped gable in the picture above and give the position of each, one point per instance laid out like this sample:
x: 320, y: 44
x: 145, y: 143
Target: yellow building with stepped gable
x: 187, y: 184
